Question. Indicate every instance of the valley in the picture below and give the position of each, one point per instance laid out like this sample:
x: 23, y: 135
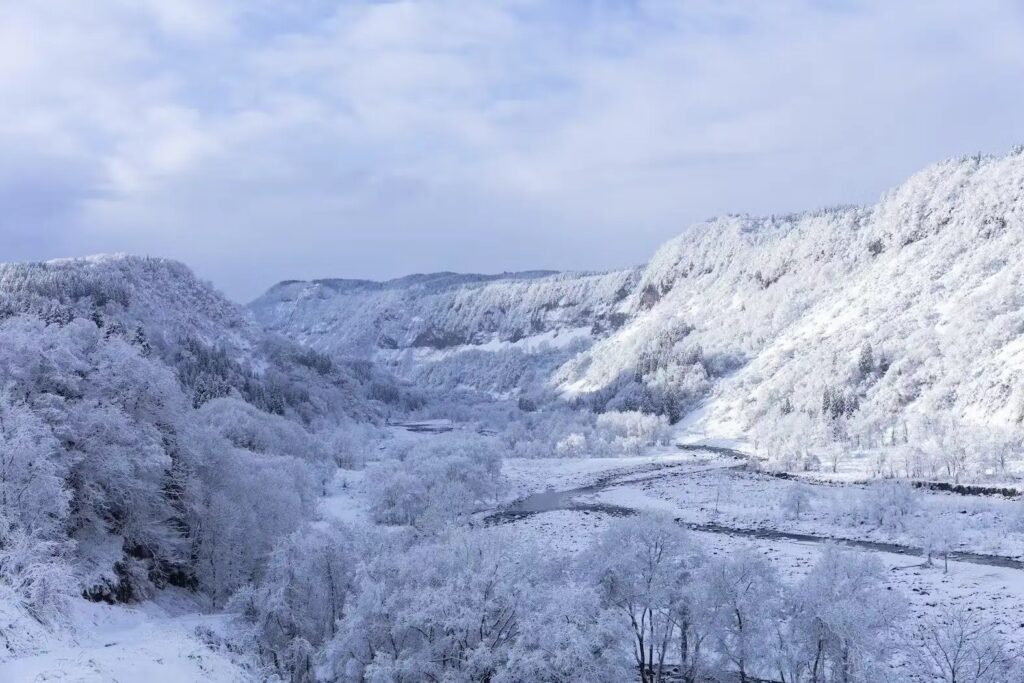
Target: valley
x: 787, y: 448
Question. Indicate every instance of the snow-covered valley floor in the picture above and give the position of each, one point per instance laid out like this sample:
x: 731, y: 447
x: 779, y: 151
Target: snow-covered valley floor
x: 704, y: 489
x: 563, y: 505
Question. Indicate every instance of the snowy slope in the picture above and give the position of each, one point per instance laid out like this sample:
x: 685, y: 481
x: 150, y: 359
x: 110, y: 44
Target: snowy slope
x: 498, y: 333
x: 214, y: 344
x: 437, y: 311
x: 929, y: 277
x: 771, y: 311
x: 146, y: 642
x: 159, y: 294
x: 145, y: 420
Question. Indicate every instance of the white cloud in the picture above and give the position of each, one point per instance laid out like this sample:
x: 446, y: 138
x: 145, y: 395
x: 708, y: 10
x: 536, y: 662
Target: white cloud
x: 260, y: 141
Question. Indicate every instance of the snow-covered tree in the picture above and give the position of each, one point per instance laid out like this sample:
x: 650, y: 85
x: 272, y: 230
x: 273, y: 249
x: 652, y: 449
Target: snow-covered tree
x: 448, y: 609
x: 743, y: 594
x: 938, y: 538
x: 796, y: 500
x: 299, y: 602
x: 842, y: 620
x: 639, y: 567
x: 434, y: 483
x: 962, y: 646
x: 568, y: 637
x: 32, y: 492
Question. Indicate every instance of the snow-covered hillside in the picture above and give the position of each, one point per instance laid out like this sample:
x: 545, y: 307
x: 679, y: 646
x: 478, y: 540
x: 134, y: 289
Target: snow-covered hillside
x: 151, y: 436
x: 212, y: 343
x: 498, y: 333
x: 163, y: 448
x: 438, y: 311
x: 872, y: 316
x: 928, y: 278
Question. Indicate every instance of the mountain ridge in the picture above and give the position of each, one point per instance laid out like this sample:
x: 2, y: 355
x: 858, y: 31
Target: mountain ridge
x: 750, y: 314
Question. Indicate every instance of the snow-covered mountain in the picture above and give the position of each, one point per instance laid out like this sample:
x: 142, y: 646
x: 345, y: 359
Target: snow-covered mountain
x: 212, y: 343
x: 136, y: 401
x: 441, y: 310
x: 498, y: 333
x: 766, y: 316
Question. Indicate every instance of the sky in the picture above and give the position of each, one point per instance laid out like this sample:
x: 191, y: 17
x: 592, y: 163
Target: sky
x: 259, y: 140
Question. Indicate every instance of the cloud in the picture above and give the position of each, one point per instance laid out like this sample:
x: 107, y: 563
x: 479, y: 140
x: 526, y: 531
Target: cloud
x: 258, y: 140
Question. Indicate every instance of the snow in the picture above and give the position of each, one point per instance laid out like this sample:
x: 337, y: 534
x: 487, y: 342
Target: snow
x: 151, y: 642
x: 703, y: 427
x: 344, y: 501
x: 527, y: 475
x: 545, y: 341
x: 485, y: 313
x: 885, y: 340
x: 705, y: 489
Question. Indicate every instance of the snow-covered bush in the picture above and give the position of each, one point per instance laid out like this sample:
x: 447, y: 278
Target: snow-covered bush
x: 248, y: 428
x: 573, y: 446
x: 628, y: 433
x: 889, y: 503
x: 348, y: 444
x: 796, y: 500
x: 561, y: 432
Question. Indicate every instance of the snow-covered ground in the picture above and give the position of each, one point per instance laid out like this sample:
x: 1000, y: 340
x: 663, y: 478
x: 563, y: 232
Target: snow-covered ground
x: 168, y: 640
x: 702, y: 488
x: 176, y: 639
x: 529, y: 475
x: 344, y: 500
x: 749, y: 500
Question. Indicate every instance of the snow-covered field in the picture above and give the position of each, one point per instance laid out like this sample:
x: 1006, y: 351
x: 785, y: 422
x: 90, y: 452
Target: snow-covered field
x: 701, y: 488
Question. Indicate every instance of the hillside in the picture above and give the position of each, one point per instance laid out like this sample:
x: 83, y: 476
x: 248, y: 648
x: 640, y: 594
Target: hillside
x: 147, y: 427
x: 438, y: 311
x: 498, y: 333
x: 212, y: 344
x: 855, y: 321
x: 907, y: 308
